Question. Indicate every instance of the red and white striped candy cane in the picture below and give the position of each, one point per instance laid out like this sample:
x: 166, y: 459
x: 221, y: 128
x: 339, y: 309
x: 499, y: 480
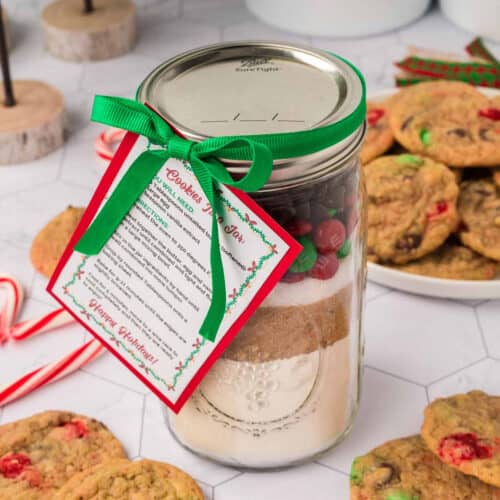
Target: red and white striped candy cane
x: 105, y: 142
x: 12, y: 303
x: 49, y: 321
x: 50, y: 373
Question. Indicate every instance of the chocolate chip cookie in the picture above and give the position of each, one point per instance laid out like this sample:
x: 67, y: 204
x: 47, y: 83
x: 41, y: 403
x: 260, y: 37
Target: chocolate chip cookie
x: 479, y: 210
x: 379, y: 137
x: 495, y: 172
x: 121, y: 479
x: 464, y: 432
x: 411, y: 101
x: 404, y: 469
x: 411, y: 207
x: 39, y: 454
x: 49, y: 244
x: 459, y: 131
x: 453, y: 262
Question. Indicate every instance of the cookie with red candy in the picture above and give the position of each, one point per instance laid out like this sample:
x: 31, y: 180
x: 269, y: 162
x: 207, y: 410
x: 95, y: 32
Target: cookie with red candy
x: 405, y: 469
x: 379, y: 137
x: 39, y: 454
x: 460, y: 130
x: 412, y: 207
x: 464, y: 432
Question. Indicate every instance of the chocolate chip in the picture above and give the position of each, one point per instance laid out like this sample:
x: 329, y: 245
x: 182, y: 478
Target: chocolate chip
x: 319, y: 213
x: 460, y: 132
x: 282, y: 215
x: 321, y: 191
x: 409, y: 242
x: 483, y: 134
x: 335, y: 197
x: 407, y: 122
x: 304, y: 211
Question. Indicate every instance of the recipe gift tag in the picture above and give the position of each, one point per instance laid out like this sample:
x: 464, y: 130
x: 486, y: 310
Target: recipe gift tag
x: 146, y: 294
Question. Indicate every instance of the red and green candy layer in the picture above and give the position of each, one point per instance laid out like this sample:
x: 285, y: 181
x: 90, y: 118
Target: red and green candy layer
x: 322, y: 247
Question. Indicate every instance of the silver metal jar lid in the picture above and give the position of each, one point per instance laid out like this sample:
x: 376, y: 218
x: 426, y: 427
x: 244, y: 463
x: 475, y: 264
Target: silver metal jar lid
x: 247, y: 88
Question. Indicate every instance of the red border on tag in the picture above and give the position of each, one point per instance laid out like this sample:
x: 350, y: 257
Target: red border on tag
x: 102, y: 189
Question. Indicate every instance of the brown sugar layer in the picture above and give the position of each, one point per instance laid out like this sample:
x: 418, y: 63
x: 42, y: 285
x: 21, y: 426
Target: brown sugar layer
x: 283, y: 332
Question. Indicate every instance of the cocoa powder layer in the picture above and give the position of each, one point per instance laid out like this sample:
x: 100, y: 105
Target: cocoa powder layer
x: 283, y: 332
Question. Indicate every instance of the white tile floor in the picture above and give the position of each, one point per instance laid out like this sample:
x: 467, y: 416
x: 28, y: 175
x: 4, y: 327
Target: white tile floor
x: 416, y: 348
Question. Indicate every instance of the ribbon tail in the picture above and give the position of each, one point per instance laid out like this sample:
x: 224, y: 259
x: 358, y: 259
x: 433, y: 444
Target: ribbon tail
x: 217, y: 308
x: 132, y: 185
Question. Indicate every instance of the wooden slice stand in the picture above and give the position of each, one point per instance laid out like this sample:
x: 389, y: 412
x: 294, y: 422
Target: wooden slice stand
x: 34, y: 126
x: 108, y: 31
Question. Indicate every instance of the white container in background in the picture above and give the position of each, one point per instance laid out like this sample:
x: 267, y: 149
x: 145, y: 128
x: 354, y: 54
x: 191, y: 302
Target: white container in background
x: 481, y: 17
x: 345, y: 18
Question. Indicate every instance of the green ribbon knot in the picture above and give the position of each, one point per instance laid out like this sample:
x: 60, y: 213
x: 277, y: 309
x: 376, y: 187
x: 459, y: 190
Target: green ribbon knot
x: 259, y: 150
x: 180, y: 148
x: 138, y: 118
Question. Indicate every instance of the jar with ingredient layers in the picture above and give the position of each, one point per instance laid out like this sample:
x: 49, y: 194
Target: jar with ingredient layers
x: 287, y: 387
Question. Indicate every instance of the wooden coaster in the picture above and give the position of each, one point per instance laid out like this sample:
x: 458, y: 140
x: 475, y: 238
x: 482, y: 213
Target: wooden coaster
x: 106, y: 32
x: 34, y: 126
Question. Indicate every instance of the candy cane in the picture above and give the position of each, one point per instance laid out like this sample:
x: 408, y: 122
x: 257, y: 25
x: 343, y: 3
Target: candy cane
x: 49, y: 321
x: 50, y: 373
x: 105, y: 140
x: 13, y: 303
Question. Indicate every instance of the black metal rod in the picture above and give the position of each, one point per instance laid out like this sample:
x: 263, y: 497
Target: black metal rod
x: 88, y: 6
x: 4, y: 62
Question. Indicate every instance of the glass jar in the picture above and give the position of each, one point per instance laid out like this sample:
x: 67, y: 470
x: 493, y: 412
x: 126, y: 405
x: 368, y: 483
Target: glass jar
x: 287, y: 388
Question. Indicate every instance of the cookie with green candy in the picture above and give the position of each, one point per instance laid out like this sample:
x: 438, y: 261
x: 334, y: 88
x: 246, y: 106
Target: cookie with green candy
x: 411, y: 101
x: 460, y: 131
x: 405, y: 469
x: 411, y: 207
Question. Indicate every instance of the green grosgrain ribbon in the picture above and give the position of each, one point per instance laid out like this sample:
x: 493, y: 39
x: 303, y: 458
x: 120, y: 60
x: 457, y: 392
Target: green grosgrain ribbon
x: 260, y: 150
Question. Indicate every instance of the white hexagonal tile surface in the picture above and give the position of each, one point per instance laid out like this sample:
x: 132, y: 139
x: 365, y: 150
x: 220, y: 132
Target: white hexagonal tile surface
x: 311, y: 482
x: 489, y: 321
x: 416, y: 347
x: 420, y: 339
x: 484, y: 375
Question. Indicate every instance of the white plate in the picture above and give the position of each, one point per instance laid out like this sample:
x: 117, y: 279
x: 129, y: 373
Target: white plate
x: 424, y: 285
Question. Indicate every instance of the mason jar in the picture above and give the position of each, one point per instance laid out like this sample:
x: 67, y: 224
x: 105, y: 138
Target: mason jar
x: 287, y: 388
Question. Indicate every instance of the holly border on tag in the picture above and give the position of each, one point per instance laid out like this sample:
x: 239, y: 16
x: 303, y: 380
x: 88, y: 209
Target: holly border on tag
x: 104, y: 186
x: 234, y: 295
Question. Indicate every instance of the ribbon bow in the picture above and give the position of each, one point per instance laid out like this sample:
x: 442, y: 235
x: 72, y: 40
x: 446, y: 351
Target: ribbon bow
x: 260, y: 150
x: 138, y: 118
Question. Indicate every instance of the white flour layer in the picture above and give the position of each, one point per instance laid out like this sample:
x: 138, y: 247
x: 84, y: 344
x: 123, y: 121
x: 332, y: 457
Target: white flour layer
x: 270, y: 414
x: 311, y: 290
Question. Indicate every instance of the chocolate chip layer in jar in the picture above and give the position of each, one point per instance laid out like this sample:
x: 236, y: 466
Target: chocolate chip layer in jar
x: 287, y: 387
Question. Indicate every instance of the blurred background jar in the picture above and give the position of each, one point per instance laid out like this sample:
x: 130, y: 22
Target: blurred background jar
x: 481, y: 17
x: 343, y: 18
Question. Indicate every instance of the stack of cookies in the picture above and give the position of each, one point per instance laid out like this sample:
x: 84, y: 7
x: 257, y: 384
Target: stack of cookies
x: 62, y: 456
x: 432, y: 168
x: 456, y: 457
